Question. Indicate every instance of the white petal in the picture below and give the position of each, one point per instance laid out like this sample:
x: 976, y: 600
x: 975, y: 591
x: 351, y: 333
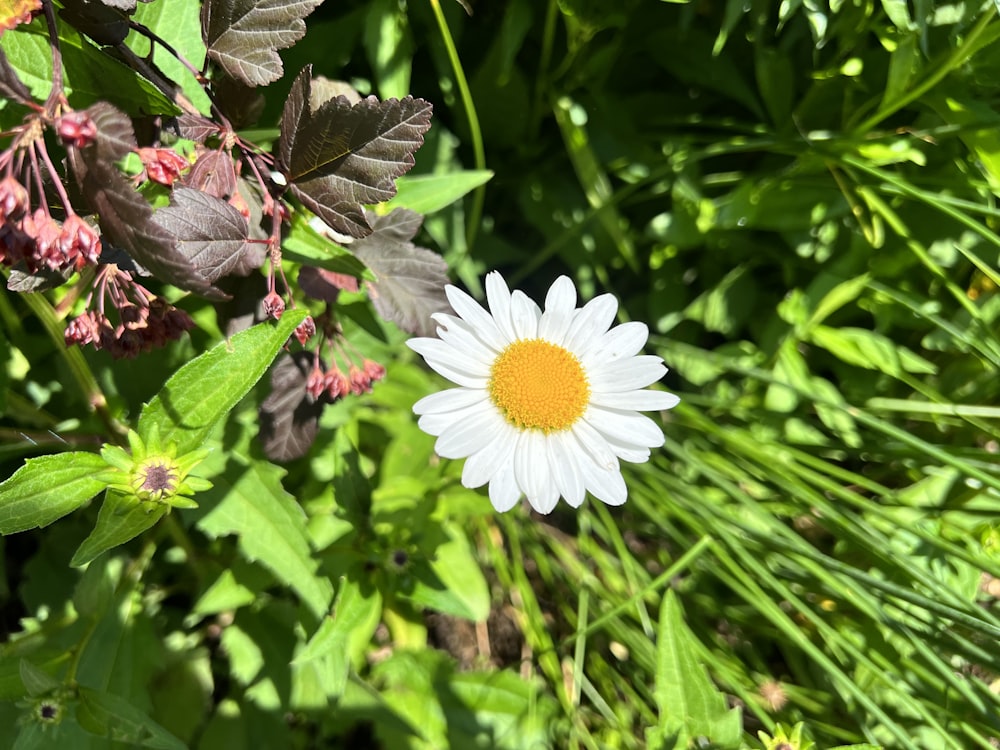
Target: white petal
x: 447, y: 361
x: 498, y: 295
x: 636, y: 400
x: 607, y: 485
x: 625, y: 374
x: 560, y: 306
x: 624, y: 427
x: 524, y: 314
x: 531, y: 469
x: 593, y: 444
x: 504, y: 492
x: 483, y: 465
x: 470, y: 435
x: 634, y: 454
x: 621, y: 341
x: 591, y: 322
x: 436, y: 424
x: 460, y: 335
x: 566, y: 467
x: 449, y: 400
x: 476, y: 316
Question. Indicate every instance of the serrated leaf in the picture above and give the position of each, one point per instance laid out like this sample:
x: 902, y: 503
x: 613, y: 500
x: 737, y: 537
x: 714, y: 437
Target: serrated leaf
x: 204, y: 390
x: 341, y: 156
x: 127, y: 724
x: 225, y: 594
x: 289, y: 416
x: 125, y: 218
x: 213, y: 173
x: 120, y: 520
x: 47, y: 488
x: 426, y: 194
x: 685, y: 696
x: 243, y: 36
x: 210, y: 233
x: 249, y: 501
x: 411, y: 279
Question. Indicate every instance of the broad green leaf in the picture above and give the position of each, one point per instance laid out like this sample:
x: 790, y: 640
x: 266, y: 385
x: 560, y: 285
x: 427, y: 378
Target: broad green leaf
x: 307, y: 246
x: 350, y: 625
x: 89, y: 75
x: 121, y: 519
x: 47, y: 488
x: 453, y: 583
x: 426, y: 194
x: 120, y: 719
x: 686, y: 698
x: 179, y: 24
x: 248, y: 500
x: 225, y: 594
x: 204, y: 390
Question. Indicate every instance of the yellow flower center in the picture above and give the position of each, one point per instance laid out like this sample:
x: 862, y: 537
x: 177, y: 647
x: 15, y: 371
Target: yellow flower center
x: 539, y: 385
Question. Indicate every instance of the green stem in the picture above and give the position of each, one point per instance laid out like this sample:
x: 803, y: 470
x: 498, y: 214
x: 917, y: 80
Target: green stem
x: 479, y: 154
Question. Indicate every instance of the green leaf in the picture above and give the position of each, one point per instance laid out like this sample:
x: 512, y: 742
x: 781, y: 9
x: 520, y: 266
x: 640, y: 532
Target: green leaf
x: 178, y: 24
x: 868, y: 349
x: 686, y: 698
x: 453, y: 583
x: 352, y: 623
x: 36, y: 682
x: 249, y: 500
x: 47, y: 488
x: 89, y: 75
x: 225, y: 594
x: 124, y: 722
x: 307, y: 246
x: 121, y: 519
x: 204, y: 390
x: 426, y: 194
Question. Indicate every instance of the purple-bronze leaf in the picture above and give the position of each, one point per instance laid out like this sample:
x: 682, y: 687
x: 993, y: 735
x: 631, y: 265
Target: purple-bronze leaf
x: 11, y: 87
x: 213, y: 172
x: 195, y: 127
x: 343, y: 156
x: 125, y: 218
x: 411, y: 279
x: 210, y: 233
x: 241, y: 105
x: 289, y: 417
x: 39, y: 281
x: 243, y: 36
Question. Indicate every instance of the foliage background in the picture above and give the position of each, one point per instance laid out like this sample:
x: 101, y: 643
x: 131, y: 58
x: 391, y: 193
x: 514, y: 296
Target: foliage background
x: 800, y: 200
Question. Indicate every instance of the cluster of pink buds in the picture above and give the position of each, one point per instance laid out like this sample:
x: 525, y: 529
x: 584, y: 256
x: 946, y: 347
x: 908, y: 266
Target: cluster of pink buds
x: 142, y: 322
x: 34, y: 240
x: 31, y: 239
x: 334, y: 384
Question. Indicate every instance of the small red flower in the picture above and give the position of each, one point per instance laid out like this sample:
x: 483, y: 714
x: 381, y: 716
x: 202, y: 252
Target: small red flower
x: 274, y: 305
x: 162, y: 165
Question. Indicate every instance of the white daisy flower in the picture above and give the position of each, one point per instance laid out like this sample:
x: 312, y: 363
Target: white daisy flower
x: 547, y: 402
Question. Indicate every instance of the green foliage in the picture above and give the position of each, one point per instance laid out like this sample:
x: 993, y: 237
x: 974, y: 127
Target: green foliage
x: 800, y: 201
